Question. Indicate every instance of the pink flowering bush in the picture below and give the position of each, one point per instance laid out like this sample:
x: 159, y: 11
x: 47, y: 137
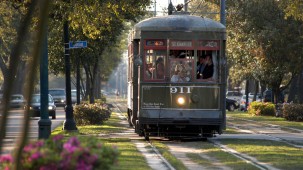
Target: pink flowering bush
x: 57, y: 154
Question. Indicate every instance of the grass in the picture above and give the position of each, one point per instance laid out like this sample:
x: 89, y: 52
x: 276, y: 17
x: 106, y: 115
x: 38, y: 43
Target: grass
x: 267, y: 119
x: 129, y: 159
x: 278, y: 154
x: 230, y: 130
x: 212, y: 157
x: 164, y: 150
x: 110, y: 126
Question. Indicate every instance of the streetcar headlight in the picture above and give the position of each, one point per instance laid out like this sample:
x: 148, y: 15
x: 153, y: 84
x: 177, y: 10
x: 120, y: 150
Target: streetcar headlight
x: 181, y: 100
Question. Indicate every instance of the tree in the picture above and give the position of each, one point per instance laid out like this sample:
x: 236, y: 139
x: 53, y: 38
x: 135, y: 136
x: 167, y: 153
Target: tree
x: 264, y: 43
x: 99, y: 22
x: 206, y: 9
x: 293, y: 8
x: 11, y: 14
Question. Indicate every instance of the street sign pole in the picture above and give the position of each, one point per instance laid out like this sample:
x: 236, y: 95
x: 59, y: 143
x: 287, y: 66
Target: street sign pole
x: 73, y: 45
x: 69, y: 123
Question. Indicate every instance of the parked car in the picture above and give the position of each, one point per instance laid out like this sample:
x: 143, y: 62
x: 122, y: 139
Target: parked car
x: 231, y: 104
x: 268, y: 96
x: 35, y: 106
x: 17, y: 101
x: 235, y: 95
x: 74, y: 96
x: 59, y: 96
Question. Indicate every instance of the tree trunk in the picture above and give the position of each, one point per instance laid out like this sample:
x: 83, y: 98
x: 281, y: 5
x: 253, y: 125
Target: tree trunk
x: 246, y: 93
x: 87, y: 86
x: 300, y: 89
x: 97, y: 89
x: 20, y: 78
x: 293, y: 90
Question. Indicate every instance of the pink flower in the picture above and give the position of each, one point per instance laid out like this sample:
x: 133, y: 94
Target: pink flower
x: 72, y: 144
x: 6, y: 158
x: 82, y: 165
x: 35, y: 156
x: 74, y: 141
x: 49, y: 167
x: 57, y: 137
x: 69, y: 147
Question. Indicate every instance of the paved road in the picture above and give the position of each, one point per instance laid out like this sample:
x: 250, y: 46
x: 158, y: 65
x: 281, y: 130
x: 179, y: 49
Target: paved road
x: 14, y: 127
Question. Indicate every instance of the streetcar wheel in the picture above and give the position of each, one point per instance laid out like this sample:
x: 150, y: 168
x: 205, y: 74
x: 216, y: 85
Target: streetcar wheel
x: 138, y: 129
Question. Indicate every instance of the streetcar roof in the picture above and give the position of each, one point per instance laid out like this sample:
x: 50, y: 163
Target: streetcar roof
x: 179, y: 23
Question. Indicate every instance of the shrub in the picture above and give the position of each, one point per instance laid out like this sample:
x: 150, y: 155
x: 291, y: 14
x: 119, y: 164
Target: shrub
x: 261, y: 109
x: 56, y: 154
x: 293, y: 112
x: 89, y: 114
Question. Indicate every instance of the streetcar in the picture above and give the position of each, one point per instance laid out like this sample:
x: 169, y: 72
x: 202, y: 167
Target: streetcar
x: 167, y: 95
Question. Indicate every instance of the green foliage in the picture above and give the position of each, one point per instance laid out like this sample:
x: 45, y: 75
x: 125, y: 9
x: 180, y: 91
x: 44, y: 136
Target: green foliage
x: 293, y: 112
x: 91, y: 114
x: 206, y: 9
x: 263, y: 44
x: 294, y: 8
x: 261, y: 109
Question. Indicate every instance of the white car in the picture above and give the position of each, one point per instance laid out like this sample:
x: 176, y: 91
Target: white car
x: 234, y: 95
x: 17, y: 101
x: 74, y: 96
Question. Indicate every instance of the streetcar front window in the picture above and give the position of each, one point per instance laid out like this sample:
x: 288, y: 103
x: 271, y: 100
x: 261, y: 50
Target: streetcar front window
x: 154, y: 64
x: 186, y: 54
x: 181, y: 70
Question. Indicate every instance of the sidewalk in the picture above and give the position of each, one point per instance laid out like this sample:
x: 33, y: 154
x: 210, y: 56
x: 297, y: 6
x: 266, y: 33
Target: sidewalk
x: 12, y: 136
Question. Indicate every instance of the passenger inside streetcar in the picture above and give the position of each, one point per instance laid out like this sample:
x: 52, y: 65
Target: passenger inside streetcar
x: 160, y: 68
x: 205, y: 67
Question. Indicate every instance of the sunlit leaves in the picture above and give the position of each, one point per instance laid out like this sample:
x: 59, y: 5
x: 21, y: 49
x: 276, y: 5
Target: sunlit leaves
x: 261, y: 43
x: 294, y: 8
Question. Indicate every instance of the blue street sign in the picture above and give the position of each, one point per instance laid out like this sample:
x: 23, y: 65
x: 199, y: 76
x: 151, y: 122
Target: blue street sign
x: 78, y: 44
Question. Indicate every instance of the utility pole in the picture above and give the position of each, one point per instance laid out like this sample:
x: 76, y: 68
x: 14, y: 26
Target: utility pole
x: 155, y: 4
x: 185, y: 5
x: 44, y: 123
x: 170, y: 8
x: 222, y: 12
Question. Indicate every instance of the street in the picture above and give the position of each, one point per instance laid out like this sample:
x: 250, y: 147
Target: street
x: 14, y: 126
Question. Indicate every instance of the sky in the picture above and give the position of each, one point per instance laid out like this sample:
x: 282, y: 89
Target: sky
x: 160, y: 4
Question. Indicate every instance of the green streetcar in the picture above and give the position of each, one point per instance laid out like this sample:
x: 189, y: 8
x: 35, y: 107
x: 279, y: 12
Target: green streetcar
x: 171, y: 93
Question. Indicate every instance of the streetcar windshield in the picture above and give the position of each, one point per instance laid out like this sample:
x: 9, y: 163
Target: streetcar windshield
x: 181, y: 70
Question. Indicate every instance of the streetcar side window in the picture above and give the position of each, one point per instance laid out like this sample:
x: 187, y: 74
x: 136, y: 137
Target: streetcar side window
x: 207, y: 66
x: 154, y: 64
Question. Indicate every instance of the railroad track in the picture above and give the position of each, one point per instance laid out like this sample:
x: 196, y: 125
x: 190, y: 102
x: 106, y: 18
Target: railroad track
x: 150, y: 152
x: 275, y: 132
x: 157, y: 161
